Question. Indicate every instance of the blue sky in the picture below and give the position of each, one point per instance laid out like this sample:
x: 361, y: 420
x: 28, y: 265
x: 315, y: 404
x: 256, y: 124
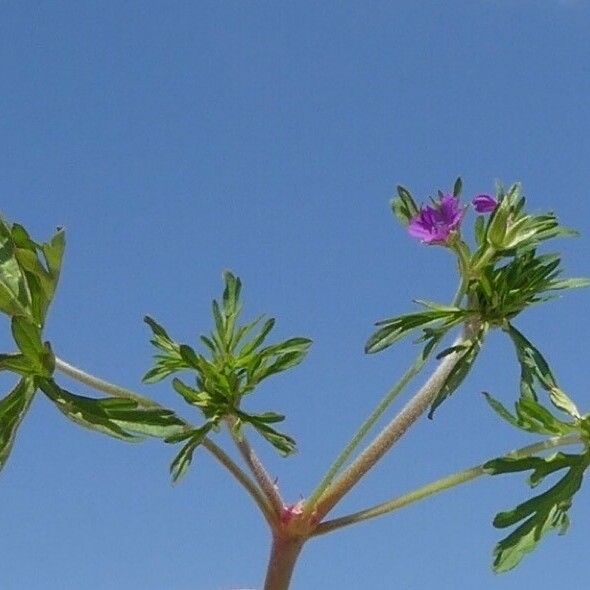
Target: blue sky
x: 175, y: 140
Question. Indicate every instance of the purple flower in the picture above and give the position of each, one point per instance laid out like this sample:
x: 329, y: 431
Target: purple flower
x: 484, y: 203
x: 433, y: 225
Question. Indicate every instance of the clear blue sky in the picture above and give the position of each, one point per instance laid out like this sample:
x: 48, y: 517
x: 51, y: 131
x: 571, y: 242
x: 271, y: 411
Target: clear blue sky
x: 177, y: 139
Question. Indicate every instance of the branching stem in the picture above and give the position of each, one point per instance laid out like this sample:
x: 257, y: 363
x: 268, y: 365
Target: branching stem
x: 440, y: 485
x: 118, y: 391
x: 393, y: 431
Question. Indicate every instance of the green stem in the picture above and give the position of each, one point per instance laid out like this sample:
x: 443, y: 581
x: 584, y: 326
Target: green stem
x: 440, y: 485
x: 264, y: 480
x: 217, y: 452
x: 102, y: 385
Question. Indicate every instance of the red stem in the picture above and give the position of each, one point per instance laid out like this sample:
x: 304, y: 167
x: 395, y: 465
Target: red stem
x: 283, y: 557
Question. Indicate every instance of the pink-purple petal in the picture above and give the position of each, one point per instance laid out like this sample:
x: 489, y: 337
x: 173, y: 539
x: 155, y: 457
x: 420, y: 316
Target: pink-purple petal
x: 433, y: 225
x: 484, y: 203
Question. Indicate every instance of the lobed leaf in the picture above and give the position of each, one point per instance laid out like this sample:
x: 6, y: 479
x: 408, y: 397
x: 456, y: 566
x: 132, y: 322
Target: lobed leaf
x: 541, y: 514
x: 116, y: 417
x: 467, y: 355
x: 183, y: 459
x: 12, y: 411
x: 397, y: 328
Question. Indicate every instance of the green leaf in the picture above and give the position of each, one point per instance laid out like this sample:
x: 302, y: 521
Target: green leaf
x: 53, y: 252
x: 190, y: 395
x: 280, y: 441
x: 278, y: 358
x: 12, y: 411
x: 500, y: 409
x: 531, y: 359
x: 531, y: 416
x: 534, y: 365
x: 231, y: 293
x: 182, y: 461
x: 15, y: 297
x: 394, y: 329
x: 563, y: 402
x: 253, y: 344
x: 170, y: 360
x: 457, y: 187
x: 161, y: 339
x: 116, y: 417
x: 17, y: 363
x: 27, y: 337
x: 573, y: 283
x: 459, y: 372
x: 498, y: 225
x: 540, y: 514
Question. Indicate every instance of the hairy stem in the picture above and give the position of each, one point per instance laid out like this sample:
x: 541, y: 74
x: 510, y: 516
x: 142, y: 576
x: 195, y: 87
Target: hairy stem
x: 389, y: 398
x: 267, y: 485
x: 393, y: 431
x: 216, y: 451
x: 283, y: 557
x: 102, y: 385
x: 440, y: 485
x: 364, y: 429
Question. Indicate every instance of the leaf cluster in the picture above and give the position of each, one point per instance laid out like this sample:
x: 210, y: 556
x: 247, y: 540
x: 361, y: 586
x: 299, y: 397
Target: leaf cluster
x: 29, y: 274
x: 527, y: 278
x: 236, y: 359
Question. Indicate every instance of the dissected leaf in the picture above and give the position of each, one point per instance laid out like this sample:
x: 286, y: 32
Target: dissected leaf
x: 120, y: 418
x: 534, y: 366
x: 466, y: 357
x: 12, y: 411
x: 182, y: 461
x: 531, y: 416
x: 392, y: 330
x: 231, y: 367
x: 541, y: 514
x: 15, y: 297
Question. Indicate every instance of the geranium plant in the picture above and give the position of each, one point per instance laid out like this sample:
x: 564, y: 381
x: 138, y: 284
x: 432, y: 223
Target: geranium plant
x: 501, y: 274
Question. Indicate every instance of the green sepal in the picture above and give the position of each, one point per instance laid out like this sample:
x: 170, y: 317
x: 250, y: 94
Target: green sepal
x: 404, y: 206
x: 12, y: 411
